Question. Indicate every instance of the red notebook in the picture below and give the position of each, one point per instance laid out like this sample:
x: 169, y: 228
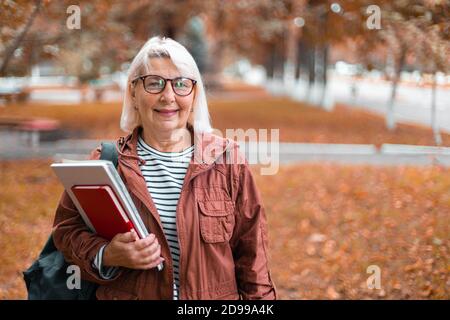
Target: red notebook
x: 103, y: 209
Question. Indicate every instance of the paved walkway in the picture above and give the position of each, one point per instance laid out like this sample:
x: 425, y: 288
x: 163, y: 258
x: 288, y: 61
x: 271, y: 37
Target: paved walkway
x: 412, y: 105
x: 283, y: 153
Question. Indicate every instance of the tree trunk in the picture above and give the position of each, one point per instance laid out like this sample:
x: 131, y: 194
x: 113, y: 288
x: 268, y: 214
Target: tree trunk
x: 390, y: 121
x: 325, y: 65
x: 434, y: 119
x: 280, y: 51
x: 270, y: 64
x: 311, y: 65
x: 298, y: 61
x: 18, y: 40
x: 218, y: 45
x: 323, y: 71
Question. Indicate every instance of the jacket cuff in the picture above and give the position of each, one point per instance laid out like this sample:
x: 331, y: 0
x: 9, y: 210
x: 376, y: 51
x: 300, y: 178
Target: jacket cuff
x: 92, y: 272
x: 105, y: 272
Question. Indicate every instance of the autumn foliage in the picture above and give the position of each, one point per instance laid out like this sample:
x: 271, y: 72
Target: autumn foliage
x: 327, y: 224
x: 296, y: 121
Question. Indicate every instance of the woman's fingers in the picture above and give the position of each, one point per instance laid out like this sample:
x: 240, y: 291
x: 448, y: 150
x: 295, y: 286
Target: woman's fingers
x: 134, y: 235
x: 150, y: 254
x: 127, y: 237
x: 141, y: 253
x: 136, y: 253
x: 146, y: 242
x: 144, y: 256
x: 149, y: 250
x: 151, y: 265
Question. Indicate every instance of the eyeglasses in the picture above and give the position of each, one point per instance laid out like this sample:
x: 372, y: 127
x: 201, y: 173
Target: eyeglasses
x: 155, y: 84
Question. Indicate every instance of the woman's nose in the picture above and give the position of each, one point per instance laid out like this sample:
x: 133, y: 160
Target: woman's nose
x: 168, y: 94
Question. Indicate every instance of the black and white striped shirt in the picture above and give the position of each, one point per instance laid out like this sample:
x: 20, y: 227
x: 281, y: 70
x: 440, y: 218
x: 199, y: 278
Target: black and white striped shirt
x: 164, y: 174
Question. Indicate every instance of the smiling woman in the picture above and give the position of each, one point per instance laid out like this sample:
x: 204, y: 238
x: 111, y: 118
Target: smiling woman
x: 206, y: 217
x: 163, y: 110
x: 154, y: 59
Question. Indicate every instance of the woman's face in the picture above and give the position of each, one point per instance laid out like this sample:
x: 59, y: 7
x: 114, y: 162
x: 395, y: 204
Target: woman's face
x: 163, y: 111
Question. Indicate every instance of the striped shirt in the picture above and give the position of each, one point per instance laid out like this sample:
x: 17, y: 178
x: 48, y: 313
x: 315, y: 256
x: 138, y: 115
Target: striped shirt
x: 164, y: 174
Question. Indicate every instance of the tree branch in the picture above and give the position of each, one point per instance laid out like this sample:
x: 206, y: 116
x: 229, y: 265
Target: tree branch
x: 17, y: 41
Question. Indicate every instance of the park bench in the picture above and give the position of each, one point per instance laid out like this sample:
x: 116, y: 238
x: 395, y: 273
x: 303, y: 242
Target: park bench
x: 30, y: 129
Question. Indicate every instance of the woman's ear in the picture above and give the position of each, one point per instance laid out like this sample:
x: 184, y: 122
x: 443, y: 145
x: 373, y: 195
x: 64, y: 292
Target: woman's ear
x: 132, y: 89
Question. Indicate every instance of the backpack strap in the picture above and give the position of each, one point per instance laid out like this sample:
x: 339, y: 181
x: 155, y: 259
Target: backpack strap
x: 109, y: 152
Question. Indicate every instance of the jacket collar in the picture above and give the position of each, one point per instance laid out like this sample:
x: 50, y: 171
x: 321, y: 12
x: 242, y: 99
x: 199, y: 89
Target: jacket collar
x: 208, y: 148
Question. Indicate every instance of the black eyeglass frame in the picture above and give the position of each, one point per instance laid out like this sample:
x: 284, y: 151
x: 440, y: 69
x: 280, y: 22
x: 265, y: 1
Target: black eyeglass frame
x: 194, y: 82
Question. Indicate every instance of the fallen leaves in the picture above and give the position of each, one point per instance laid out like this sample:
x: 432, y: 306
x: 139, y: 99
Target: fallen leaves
x: 317, y: 237
x: 347, y: 218
x: 332, y: 293
x: 28, y: 196
x: 323, y: 234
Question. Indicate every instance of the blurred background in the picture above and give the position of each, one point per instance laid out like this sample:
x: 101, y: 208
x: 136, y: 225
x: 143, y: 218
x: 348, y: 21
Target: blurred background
x: 359, y: 91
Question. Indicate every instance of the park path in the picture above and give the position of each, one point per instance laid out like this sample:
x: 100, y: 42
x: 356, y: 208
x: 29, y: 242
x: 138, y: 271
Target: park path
x: 283, y: 153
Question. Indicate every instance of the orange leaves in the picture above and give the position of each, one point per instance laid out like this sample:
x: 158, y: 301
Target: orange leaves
x: 28, y: 198
x: 332, y: 293
x: 325, y: 229
x: 342, y: 219
x: 304, y: 225
x: 329, y: 248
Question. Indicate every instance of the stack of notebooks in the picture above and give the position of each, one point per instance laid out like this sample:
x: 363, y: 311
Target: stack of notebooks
x: 101, y: 197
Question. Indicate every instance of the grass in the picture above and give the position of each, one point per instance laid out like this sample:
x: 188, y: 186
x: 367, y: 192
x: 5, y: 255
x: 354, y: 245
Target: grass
x: 296, y: 121
x: 327, y: 224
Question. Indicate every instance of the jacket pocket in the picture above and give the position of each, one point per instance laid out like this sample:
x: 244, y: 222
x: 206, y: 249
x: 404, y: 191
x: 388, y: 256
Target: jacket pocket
x: 216, y: 220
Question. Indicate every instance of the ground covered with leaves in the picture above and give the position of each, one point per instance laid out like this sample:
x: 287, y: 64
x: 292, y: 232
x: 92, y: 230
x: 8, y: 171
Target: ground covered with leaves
x: 296, y: 121
x: 327, y: 225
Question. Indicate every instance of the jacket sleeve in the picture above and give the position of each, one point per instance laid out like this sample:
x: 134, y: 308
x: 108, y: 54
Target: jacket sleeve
x: 75, y: 240
x: 249, y: 242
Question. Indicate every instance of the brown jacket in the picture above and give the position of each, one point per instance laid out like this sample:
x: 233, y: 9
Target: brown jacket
x: 221, y: 227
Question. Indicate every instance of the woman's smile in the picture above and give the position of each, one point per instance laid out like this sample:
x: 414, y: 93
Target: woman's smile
x: 166, y: 113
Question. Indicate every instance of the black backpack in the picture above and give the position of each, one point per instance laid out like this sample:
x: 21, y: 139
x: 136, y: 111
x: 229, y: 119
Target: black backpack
x: 46, y: 279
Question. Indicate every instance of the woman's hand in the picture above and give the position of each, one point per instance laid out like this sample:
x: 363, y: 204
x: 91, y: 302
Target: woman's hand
x: 127, y: 250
